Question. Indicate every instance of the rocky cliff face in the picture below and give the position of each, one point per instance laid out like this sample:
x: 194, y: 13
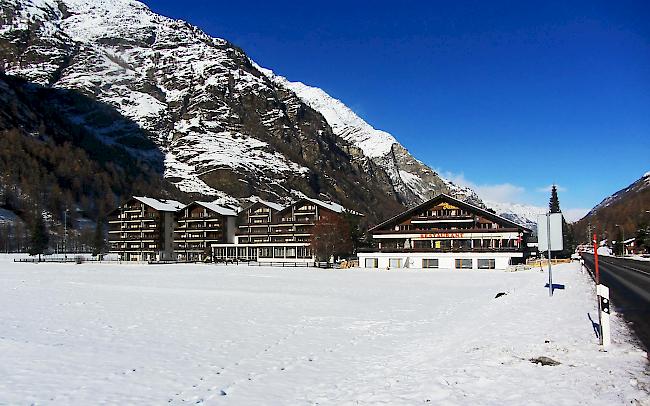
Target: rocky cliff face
x: 222, y: 126
x: 411, y: 179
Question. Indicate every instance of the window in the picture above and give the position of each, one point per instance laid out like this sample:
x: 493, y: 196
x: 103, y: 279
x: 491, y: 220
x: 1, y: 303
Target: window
x: 464, y: 263
x: 422, y: 244
x: 265, y: 252
x: 486, y: 264
x: 430, y: 263
x: 395, y: 262
x: 372, y: 263
x: 304, y: 252
x: 291, y: 252
x: 279, y: 252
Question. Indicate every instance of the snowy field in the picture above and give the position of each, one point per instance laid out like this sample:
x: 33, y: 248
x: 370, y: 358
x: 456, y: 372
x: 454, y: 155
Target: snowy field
x: 186, y: 334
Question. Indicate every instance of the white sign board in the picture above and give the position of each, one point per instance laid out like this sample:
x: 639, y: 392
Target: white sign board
x: 549, y: 225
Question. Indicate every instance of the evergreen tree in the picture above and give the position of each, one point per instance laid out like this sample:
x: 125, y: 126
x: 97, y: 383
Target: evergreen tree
x: 39, y: 238
x: 568, y: 240
x: 554, y: 203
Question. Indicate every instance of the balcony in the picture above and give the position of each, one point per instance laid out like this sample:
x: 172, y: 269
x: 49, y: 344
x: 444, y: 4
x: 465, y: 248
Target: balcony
x: 446, y: 230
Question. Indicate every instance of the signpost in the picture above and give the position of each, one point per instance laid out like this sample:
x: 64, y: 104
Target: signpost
x: 602, y: 295
x: 549, y: 238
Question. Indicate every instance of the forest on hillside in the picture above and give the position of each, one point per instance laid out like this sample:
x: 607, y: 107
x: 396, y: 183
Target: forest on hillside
x: 51, y: 161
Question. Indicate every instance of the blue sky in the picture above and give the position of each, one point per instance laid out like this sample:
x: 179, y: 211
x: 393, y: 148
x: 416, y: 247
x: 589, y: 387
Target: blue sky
x: 506, y: 96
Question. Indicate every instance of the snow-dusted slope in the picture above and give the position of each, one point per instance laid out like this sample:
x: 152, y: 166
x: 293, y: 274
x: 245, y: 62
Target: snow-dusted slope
x: 154, y: 70
x: 345, y: 123
x: 624, y: 212
x: 523, y: 214
x: 638, y: 186
x: 412, y: 179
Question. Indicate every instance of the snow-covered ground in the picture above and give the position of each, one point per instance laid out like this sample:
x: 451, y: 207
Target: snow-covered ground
x: 137, y: 334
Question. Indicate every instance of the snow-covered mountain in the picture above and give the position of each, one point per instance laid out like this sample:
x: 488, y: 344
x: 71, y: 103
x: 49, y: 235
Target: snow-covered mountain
x: 640, y: 185
x: 523, y: 214
x: 623, y: 212
x: 413, y: 180
x: 223, y: 126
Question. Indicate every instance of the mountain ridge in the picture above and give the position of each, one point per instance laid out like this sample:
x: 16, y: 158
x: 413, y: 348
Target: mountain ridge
x: 620, y: 213
x: 226, y: 128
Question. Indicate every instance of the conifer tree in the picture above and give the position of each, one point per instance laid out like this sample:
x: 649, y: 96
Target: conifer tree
x: 554, y: 203
x: 39, y: 238
x: 568, y: 240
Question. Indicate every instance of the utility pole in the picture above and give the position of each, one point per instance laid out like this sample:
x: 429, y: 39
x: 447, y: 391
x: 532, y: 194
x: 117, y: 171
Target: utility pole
x: 548, y: 240
x: 65, y: 233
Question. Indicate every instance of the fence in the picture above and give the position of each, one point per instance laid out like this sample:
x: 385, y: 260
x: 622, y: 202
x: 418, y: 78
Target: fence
x: 70, y: 259
x: 82, y: 259
x: 279, y: 264
x: 544, y: 262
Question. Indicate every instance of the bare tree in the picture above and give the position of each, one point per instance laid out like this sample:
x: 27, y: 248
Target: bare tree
x: 331, y: 236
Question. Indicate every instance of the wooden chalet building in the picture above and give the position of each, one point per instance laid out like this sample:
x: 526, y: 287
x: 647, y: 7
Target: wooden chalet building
x: 268, y: 232
x: 446, y: 233
x: 142, y: 229
x: 198, y: 226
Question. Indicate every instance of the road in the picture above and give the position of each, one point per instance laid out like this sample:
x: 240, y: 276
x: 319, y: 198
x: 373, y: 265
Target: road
x: 629, y: 287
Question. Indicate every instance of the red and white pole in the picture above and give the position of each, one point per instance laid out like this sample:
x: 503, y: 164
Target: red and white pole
x: 596, y: 259
x: 602, y: 296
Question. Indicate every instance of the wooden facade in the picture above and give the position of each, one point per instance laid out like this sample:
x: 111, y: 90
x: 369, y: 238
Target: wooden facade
x: 141, y: 229
x: 199, y: 225
x: 269, y: 232
x: 450, y: 231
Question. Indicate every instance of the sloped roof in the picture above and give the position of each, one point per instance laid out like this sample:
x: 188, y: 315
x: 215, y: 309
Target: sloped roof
x: 160, y: 205
x: 335, y: 207
x: 224, y: 211
x: 442, y: 196
x: 274, y: 206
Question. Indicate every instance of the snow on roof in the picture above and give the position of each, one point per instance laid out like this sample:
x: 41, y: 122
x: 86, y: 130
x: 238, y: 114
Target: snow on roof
x: 629, y: 240
x: 162, y: 204
x: 335, y: 207
x: 274, y: 206
x: 224, y: 211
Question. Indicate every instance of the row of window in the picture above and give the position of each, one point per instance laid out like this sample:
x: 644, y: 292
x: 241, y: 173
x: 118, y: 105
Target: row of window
x: 444, y: 226
x: 460, y: 263
x: 262, y: 252
x: 445, y: 212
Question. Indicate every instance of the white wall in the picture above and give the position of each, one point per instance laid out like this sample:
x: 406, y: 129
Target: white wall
x: 446, y: 260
